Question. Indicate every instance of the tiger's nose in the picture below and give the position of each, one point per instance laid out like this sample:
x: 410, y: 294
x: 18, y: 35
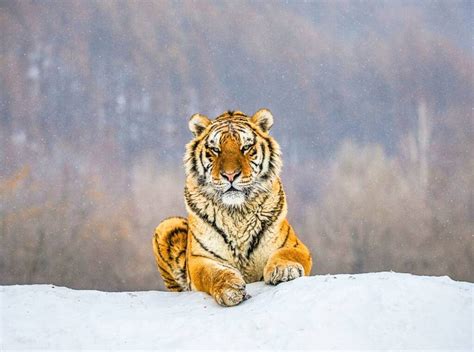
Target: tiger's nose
x: 230, y: 176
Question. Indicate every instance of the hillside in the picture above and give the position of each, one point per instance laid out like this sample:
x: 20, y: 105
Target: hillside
x: 373, y: 112
x: 97, y: 75
x: 366, y: 311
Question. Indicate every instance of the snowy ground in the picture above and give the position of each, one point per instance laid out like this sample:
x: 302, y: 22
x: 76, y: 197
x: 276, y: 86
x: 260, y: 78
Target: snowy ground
x: 369, y: 311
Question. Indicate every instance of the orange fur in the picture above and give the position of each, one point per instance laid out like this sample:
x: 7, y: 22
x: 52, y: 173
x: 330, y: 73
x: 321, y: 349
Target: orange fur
x: 236, y: 231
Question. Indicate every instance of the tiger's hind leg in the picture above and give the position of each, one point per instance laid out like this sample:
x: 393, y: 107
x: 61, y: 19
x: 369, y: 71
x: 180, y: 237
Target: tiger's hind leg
x: 169, y: 247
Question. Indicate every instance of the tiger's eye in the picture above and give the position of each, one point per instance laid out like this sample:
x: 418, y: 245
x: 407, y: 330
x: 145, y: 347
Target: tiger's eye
x: 215, y: 150
x: 246, y: 147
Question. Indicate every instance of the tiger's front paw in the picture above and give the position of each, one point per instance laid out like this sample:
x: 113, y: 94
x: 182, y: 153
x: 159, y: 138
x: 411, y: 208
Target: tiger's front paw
x: 277, y: 273
x: 229, y: 289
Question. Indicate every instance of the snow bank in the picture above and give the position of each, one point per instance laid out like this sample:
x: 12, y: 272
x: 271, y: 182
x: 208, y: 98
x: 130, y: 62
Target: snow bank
x: 368, y: 311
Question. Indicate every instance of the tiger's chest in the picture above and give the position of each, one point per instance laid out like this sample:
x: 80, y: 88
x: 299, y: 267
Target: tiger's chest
x: 251, y: 239
x: 246, y: 238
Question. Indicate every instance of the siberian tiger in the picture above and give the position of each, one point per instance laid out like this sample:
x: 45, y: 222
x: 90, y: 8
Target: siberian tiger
x: 236, y: 231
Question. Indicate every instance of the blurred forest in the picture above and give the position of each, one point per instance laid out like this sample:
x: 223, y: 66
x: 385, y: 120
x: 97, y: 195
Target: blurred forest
x: 372, y: 103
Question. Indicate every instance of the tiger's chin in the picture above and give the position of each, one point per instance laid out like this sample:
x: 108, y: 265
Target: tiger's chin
x: 233, y: 198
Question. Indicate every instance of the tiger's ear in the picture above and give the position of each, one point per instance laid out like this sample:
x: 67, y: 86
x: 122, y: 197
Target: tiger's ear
x: 198, y: 123
x: 263, y: 118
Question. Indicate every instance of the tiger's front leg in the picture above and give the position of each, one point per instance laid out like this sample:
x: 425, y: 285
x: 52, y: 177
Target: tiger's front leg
x: 291, y: 261
x: 220, y: 280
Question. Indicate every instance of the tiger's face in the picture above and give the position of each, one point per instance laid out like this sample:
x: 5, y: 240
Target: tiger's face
x: 232, y: 158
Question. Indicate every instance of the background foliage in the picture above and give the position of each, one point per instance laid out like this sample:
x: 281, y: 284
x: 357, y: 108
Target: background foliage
x: 372, y: 102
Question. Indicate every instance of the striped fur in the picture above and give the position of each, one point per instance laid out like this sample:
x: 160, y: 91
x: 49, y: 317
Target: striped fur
x: 236, y: 231
x: 169, y: 247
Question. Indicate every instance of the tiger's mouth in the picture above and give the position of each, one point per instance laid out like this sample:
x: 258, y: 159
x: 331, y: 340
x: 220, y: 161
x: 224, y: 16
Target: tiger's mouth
x: 232, y: 189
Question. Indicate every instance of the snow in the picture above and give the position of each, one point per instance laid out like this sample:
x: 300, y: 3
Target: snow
x: 365, y: 311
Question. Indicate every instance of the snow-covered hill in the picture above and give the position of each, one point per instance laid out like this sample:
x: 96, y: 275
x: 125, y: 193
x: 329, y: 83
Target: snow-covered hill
x: 369, y: 311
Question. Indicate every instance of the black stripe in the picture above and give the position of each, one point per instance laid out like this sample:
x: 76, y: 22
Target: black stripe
x: 201, y: 157
x: 248, y: 227
x: 201, y: 179
x: 271, y: 162
x: 161, y: 255
x: 286, y: 238
x: 204, y: 217
x: 179, y: 255
x: 239, y: 128
x: 164, y: 271
x: 192, y: 156
x: 220, y: 128
x: 207, y: 249
x: 262, y: 150
x: 201, y: 256
x: 168, y: 278
x: 177, y: 230
x: 266, y: 224
x: 224, y: 264
x: 263, y: 202
x: 246, y: 123
x: 205, y: 257
x: 271, y: 148
x: 296, y: 244
x: 238, y: 122
x: 253, y: 148
x: 240, y: 119
x: 170, y: 235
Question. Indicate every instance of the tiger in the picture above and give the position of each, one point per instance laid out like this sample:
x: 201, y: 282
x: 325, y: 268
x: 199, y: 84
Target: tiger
x: 236, y: 231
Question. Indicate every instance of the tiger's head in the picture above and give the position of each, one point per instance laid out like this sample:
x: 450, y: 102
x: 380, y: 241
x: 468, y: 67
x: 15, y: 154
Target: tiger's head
x: 233, y: 158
